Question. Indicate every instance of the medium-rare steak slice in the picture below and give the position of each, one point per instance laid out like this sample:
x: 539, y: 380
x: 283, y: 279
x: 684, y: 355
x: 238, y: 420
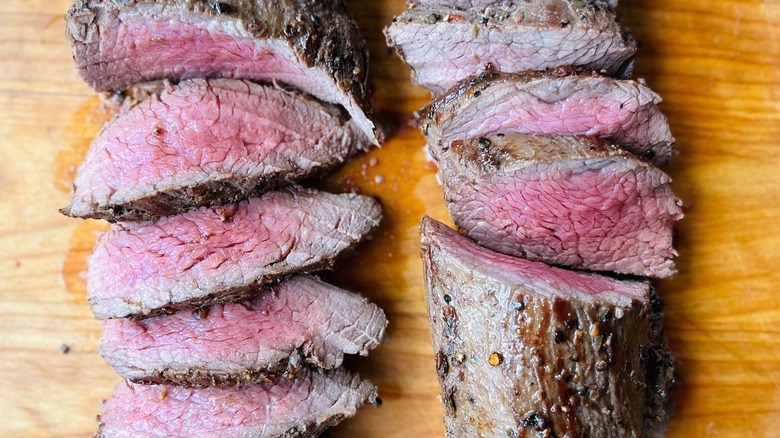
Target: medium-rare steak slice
x: 444, y: 45
x: 312, y: 45
x: 204, y: 143
x: 562, y: 101
x: 221, y: 254
x: 300, y: 407
x: 525, y: 350
x: 572, y: 201
x: 297, y: 322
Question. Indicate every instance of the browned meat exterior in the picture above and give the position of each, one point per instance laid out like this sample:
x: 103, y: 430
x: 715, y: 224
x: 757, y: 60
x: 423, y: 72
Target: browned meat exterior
x: 526, y: 350
x: 460, y: 4
x: 312, y: 45
x: 203, y: 143
x: 561, y: 101
x: 222, y: 254
x: 572, y: 201
x: 285, y: 408
x: 444, y: 45
x: 479, y: 4
x: 301, y: 321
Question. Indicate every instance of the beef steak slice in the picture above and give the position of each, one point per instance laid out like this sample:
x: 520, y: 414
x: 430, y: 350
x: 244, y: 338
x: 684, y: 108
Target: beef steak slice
x: 300, y: 407
x: 444, y: 45
x: 301, y: 321
x: 562, y: 101
x: 221, y: 254
x: 526, y: 350
x: 204, y: 143
x: 573, y: 201
x: 312, y: 45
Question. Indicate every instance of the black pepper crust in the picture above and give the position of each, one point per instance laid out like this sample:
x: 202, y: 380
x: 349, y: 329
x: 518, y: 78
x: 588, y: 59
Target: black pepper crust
x: 209, y: 193
x: 287, y: 368
x: 515, y: 362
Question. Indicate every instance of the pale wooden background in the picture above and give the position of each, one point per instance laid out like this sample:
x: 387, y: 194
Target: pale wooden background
x: 715, y: 62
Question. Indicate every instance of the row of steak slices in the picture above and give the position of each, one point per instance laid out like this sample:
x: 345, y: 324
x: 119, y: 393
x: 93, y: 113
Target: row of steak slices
x: 547, y: 155
x: 202, y: 279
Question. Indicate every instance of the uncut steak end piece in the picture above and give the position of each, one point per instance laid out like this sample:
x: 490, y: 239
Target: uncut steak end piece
x: 525, y: 350
x: 443, y: 45
x: 301, y: 321
x: 300, y: 407
x: 481, y: 4
x: 573, y: 201
x: 203, y: 143
x: 561, y: 101
x: 221, y: 254
x: 314, y: 46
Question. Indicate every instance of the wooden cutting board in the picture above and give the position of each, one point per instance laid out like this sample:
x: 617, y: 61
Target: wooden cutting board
x: 717, y: 65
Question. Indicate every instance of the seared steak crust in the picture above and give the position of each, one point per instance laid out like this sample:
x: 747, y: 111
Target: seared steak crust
x: 525, y: 350
x: 481, y: 4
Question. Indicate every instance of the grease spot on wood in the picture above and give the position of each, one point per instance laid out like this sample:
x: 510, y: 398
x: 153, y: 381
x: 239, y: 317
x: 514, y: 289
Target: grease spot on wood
x: 392, y: 164
x: 86, y: 123
x: 75, y: 265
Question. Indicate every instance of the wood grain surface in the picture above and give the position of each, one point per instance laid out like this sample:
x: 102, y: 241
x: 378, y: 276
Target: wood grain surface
x: 717, y: 65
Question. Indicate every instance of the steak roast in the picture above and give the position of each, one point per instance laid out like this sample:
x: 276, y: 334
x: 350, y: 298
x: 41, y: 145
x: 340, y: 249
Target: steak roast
x: 562, y: 101
x: 221, y: 254
x: 300, y: 407
x: 572, y: 201
x: 526, y: 350
x: 312, y: 45
x: 204, y: 143
x: 479, y: 4
x: 297, y: 322
x: 444, y: 45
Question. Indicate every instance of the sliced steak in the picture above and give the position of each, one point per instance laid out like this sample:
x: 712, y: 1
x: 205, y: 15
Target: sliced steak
x: 526, y: 350
x: 314, y: 46
x: 444, y: 45
x: 221, y: 254
x: 562, y: 101
x: 205, y: 143
x: 297, y: 322
x: 300, y: 407
x: 573, y: 201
